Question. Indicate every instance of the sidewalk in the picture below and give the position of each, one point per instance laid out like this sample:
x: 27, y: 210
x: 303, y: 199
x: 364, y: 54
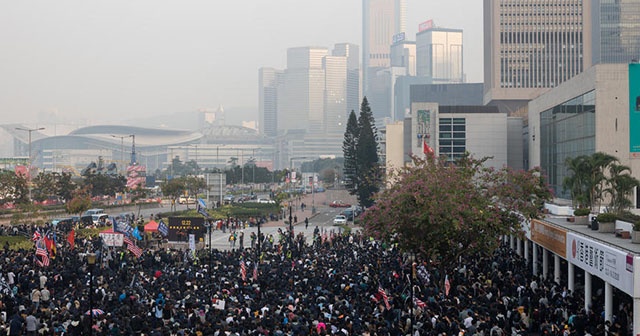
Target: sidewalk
x: 319, y: 199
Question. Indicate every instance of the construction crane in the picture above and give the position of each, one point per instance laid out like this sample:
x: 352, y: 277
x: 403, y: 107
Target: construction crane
x: 133, y: 150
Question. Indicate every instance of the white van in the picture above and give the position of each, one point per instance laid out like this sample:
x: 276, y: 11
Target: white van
x: 91, y: 212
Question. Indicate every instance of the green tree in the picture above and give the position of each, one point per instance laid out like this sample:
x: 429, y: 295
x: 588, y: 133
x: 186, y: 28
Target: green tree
x: 587, y: 179
x: 13, y: 187
x: 65, y: 186
x: 44, y: 186
x: 620, y: 187
x: 576, y: 181
x: 80, y: 201
x: 174, y: 187
x: 349, y: 151
x: 368, y: 175
x: 442, y: 211
x: 103, y: 184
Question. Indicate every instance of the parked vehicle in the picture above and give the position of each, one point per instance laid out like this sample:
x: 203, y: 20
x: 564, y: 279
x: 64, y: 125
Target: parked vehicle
x: 339, y: 204
x: 349, y: 214
x: 266, y: 201
x: 99, y: 219
x: 186, y: 200
x: 93, y: 212
x: 340, y: 220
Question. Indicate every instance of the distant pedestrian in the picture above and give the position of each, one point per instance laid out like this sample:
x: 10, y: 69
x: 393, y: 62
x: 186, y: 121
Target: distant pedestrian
x: 306, y: 223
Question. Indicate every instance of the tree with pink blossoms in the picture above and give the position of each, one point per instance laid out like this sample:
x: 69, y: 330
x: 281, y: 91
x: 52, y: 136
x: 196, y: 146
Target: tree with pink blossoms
x: 441, y: 210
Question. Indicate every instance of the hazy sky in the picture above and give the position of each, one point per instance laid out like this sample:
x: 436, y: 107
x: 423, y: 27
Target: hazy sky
x: 106, y: 61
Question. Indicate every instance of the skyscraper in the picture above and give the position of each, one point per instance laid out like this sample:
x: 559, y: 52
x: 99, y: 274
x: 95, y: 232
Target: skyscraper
x: 352, y: 53
x: 439, y: 55
x: 269, y: 79
x: 403, y: 54
x: 615, y: 31
x: 381, y: 19
x: 301, y: 95
x: 531, y: 46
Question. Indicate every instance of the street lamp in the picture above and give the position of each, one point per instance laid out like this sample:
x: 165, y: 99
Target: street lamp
x: 197, y: 167
x: 91, y: 261
x: 30, y: 130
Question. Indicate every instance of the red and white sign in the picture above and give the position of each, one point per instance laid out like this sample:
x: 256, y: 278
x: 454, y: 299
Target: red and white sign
x: 609, y: 264
x: 425, y: 25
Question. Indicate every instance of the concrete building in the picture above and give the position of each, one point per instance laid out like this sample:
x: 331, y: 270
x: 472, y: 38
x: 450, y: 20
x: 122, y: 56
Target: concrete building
x: 615, y: 31
x: 268, y: 82
x: 592, y: 112
x: 301, y: 94
x: 449, y: 132
x: 352, y: 53
x: 403, y: 54
x: 531, y: 46
x: 381, y: 20
x: 439, y: 55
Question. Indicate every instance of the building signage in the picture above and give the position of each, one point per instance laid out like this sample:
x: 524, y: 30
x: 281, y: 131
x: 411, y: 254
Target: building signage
x: 611, y: 265
x: 425, y: 25
x: 550, y: 237
x: 398, y: 38
x: 634, y: 108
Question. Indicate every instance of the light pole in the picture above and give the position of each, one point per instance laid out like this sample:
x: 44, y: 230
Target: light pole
x: 29, y: 130
x: 197, y: 167
x: 91, y: 261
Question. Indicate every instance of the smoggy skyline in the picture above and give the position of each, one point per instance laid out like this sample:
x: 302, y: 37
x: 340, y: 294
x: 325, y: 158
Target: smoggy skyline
x: 109, y: 61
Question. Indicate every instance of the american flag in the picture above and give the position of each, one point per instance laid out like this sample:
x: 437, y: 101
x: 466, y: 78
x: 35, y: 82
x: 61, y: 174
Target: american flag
x: 255, y: 271
x: 419, y: 302
x: 384, y: 297
x: 243, y: 270
x: 447, y: 285
x: 40, y: 251
x: 132, y: 247
x: 36, y: 235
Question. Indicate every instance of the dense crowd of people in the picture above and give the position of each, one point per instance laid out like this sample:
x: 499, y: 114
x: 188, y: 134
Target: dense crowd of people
x: 339, y: 284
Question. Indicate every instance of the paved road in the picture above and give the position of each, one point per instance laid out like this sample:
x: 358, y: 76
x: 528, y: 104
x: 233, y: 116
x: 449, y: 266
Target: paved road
x: 323, y: 218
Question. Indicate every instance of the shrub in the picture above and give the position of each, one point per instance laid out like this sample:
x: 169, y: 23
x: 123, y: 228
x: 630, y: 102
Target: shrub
x: 607, y: 217
x: 629, y: 217
x: 581, y: 212
x: 636, y: 225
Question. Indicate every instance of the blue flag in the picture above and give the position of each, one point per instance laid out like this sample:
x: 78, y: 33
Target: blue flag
x: 163, y: 229
x: 202, y: 207
x: 136, y: 234
x: 123, y: 227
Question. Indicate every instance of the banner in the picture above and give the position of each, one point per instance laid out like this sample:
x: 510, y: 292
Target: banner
x: 192, y: 242
x: 550, y: 237
x: 634, y: 108
x: 112, y: 239
x: 609, y: 264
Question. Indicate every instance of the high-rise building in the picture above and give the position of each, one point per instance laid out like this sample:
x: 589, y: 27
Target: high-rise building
x: 381, y: 20
x: 335, y: 94
x: 615, y: 31
x: 439, y: 55
x: 269, y: 79
x: 352, y: 53
x: 531, y: 46
x: 301, y: 94
x: 403, y: 54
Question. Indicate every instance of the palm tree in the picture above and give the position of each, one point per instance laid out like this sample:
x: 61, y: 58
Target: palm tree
x: 576, y: 181
x: 598, y: 163
x: 621, y: 185
x: 587, y: 179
